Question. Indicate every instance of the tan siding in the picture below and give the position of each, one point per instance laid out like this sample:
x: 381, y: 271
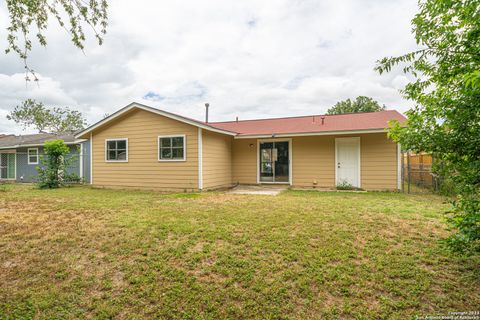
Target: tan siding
x: 244, y: 160
x: 143, y: 170
x: 217, y: 160
x: 378, y: 162
x: 313, y: 161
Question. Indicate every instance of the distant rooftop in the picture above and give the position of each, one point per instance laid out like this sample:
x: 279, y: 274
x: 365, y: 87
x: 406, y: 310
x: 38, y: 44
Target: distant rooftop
x: 13, y: 141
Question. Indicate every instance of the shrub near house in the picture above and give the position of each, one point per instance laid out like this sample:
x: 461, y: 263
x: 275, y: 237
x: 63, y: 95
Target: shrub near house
x: 52, y: 173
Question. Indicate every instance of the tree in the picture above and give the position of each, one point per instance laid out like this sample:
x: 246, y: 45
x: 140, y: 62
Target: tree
x: 34, y: 114
x: 72, y: 15
x: 360, y: 104
x: 53, y: 172
x: 446, y: 118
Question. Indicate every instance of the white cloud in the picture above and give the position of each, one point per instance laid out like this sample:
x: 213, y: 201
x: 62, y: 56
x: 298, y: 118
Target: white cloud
x: 48, y: 91
x: 247, y: 58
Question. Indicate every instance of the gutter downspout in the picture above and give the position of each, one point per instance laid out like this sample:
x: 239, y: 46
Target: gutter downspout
x: 200, y: 159
x: 91, y: 158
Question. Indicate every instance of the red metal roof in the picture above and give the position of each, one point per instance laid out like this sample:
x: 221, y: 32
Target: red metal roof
x: 312, y: 124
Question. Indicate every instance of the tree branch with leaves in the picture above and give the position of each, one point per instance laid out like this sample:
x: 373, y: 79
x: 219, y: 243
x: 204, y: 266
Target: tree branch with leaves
x: 71, y: 15
x: 446, y: 118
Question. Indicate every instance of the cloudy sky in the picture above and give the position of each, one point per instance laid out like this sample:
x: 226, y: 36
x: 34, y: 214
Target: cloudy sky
x: 246, y: 58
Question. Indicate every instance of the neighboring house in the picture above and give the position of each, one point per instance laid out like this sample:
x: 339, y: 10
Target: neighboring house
x: 143, y: 147
x: 20, y: 155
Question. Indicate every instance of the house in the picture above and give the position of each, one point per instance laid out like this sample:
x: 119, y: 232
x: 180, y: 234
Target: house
x: 144, y: 147
x: 21, y: 155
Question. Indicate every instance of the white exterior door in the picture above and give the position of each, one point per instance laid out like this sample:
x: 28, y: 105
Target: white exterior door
x: 347, y: 164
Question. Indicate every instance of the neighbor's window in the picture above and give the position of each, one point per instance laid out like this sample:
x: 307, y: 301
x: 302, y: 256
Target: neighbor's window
x: 171, y: 148
x: 32, y: 156
x: 117, y: 150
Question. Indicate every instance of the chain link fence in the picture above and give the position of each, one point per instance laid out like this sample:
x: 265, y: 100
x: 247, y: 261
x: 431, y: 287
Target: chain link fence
x: 417, y: 175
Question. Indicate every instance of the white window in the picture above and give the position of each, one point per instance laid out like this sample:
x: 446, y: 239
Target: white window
x: 116, y: 150
x: 32, y: 155
x: 171, y: 148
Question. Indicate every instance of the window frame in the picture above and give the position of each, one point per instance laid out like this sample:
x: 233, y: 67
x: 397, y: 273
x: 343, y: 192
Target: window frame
x: 106, y: 150
x: 36, y: 155
x: 173, y: 136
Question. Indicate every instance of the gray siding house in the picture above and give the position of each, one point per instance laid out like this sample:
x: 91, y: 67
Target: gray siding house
x: 21, y: 155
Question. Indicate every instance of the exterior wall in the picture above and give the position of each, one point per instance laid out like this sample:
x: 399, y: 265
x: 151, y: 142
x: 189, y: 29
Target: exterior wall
x: 85, y: 158
x: 28, y: 172
x: 313, y: 161
x: 244, y: 161
x: 143, y: 170
x: 378, y: 162
x: 217, y: 160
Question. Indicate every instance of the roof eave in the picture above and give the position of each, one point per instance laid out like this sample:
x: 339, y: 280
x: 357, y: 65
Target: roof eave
x: 39, y: 144
x: 301, y: 134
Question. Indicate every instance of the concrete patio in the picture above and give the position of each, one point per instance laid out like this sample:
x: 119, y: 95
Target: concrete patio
x: 269, y: 190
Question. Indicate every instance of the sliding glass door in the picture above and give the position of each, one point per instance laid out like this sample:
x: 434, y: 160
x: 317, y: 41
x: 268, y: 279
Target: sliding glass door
x: 274, y: 161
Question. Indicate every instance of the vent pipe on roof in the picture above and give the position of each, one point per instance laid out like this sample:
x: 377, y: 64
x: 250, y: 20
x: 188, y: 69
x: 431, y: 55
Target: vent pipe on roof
x: 313, y: 119
x: 323, y: 120
x: 206, y: 111
x: 237, y: 119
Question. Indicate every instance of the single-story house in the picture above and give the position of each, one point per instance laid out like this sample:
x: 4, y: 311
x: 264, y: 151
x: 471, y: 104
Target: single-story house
x: 21, y: 155
x: 144, y: 147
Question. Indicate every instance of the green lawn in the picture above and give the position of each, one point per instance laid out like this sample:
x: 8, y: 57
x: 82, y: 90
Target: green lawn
x: 81, y: 252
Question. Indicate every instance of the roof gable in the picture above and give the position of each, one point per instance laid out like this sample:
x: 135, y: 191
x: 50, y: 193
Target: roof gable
x: 135, y: 105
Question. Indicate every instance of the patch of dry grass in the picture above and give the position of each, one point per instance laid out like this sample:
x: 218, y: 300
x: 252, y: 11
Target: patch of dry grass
x: 82, y: 252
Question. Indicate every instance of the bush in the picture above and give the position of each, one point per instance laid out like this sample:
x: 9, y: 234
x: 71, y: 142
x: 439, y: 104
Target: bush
x: 344, y: 185
x: 445, y: 120
x: 53, y: 173
x: 465, y: 217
